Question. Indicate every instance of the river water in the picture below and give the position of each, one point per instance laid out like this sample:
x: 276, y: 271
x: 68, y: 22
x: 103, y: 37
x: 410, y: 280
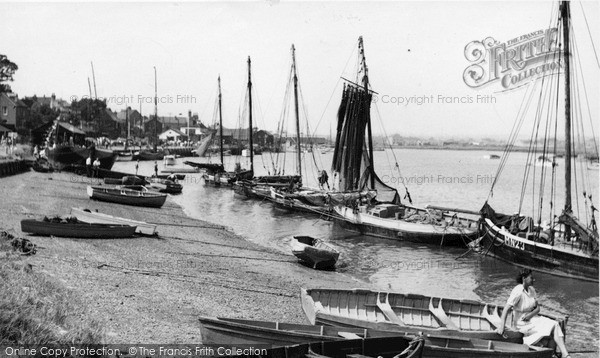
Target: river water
x: 460, y: 179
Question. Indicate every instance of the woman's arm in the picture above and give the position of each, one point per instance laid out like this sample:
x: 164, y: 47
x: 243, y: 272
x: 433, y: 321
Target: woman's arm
x: 529, y: 315
x: 505, y: 311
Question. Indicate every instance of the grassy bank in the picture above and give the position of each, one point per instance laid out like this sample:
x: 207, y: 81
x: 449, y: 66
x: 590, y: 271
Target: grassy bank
x: 36, y: 309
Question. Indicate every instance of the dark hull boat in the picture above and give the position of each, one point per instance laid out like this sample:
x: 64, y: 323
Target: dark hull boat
x: 241, y: 331
x: 308, y: 343
x: 145, y: 155
x: 76, y: 229
x: 314, y: 252
x: 63, y: 156
x: 530, y: 250
x: 165, y: 186
x: 128, y: 195
x: 389, y: 311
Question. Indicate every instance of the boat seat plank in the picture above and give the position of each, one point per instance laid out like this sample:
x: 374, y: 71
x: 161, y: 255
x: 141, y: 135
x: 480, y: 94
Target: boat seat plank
x: 388, y: 311
x: 439, y: 313
x: 349, y: 335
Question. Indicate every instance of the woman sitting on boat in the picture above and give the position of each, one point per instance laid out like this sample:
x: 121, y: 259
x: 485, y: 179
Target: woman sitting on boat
x: 524, y: 305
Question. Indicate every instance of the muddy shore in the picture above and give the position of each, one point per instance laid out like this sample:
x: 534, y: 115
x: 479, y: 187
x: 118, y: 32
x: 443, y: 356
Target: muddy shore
x: 152, y: 290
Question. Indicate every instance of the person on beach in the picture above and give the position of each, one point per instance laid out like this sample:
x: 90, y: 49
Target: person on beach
x: 88, y: 166
x: 96, y: 166
x: 156, y: 168
x: 324, y: 179
x: 525, y: 309
x: 137, y: 166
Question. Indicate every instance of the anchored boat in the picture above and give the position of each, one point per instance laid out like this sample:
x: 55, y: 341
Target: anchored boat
x: 136, y: 195
x: 315, y: 252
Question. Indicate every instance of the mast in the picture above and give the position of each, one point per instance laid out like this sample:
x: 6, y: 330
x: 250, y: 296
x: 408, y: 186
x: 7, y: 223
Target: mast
x: 365, y: 82
x: 94, y: 77
x: 298, y: 149
x: 127, y: 124
x: 565, y: 14
x: 250, y: 118
x: 220, y: 122
x: 155, y: 110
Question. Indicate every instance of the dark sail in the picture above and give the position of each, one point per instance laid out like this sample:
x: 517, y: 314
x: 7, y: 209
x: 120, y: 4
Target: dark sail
x: 351, y: 159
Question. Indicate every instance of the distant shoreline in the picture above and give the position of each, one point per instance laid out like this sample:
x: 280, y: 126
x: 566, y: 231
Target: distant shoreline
x: 498, y: 148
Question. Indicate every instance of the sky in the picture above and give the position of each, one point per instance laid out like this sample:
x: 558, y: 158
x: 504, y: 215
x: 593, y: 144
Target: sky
x: 413, y: 50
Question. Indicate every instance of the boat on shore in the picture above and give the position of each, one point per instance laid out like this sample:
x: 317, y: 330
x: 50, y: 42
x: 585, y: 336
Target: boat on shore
x: 164, y: 185
x: 389, y: 311
x: 306, y: 342
x: 252, y: 332
x: 70, y: 227
x: 314, y: 252
x: 135, y: 195
x: 94, y: 217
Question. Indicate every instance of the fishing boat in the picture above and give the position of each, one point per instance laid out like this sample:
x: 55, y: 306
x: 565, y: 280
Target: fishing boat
x: 389, y: 311
x: 70, y: 227
x: 215, y: 173
x: 63, y: 154
x: 491, y: 156
x: 136, y: 195
x: 148, y: 155
x: 94, y: 217
x: 364, y: 203
x: 542, y: 236
x: 251, y: 332
x: 306, y: 342
x: 314, y: 252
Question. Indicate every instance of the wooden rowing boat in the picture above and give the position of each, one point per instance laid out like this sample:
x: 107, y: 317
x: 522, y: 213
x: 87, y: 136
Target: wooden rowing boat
x: 127, y: 194
x: 390, y: 311
x: 250, y: 332
x: 76, y: 229
x: 235, y: 332
x: 314, y: 252
x: 94, y: 217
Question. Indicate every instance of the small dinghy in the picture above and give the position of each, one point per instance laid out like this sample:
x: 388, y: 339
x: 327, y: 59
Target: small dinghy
x: 94, y: 217
x: 128, y: 194
x: 71, y: 227
x: 314, y: 252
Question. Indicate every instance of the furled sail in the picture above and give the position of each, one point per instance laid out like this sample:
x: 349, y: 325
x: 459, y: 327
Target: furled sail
x: 351, y: 160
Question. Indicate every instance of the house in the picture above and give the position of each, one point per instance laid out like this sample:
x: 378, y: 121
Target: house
x: 172, y: 135
x: 106, y: 125
x: 135, y: 121
x: 152, y: 126
x: 13, y: 112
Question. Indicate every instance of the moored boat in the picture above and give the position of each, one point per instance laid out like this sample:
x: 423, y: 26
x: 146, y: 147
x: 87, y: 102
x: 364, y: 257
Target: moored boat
x: 128, y: 194
x: 73, y: 228
x: 243, y: 331
x: 314, y: 252
x: 94, y: 217
x: 165, y: 185
x: 391, y: 311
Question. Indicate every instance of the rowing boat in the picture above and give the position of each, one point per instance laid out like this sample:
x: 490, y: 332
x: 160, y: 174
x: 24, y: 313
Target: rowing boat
x: 251, y: 332
x: 128, y: 194
x: 94, y: 217
x: 314, y: 252
x: 226, y: 331
x: 391, y: 311
x: 76, y: 229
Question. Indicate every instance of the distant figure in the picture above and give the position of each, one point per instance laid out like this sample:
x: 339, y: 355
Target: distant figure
x: 36, y: 152
x: 137, y: 166
x: 156, y: 168
x: 324, y: 179
x: 96, y: 166
x: 88, y: 166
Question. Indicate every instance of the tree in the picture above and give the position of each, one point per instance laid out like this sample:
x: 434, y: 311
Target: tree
x: 7, y: 70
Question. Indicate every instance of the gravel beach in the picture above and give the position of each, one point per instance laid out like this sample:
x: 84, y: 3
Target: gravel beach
x: 152, y: 289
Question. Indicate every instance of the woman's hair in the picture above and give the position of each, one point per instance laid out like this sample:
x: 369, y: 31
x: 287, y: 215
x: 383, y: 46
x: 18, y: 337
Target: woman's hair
x: 522, y: 274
